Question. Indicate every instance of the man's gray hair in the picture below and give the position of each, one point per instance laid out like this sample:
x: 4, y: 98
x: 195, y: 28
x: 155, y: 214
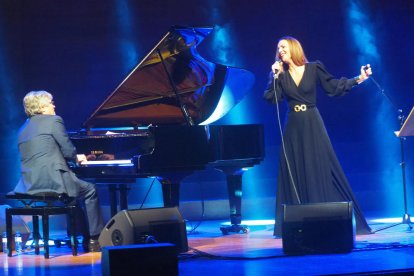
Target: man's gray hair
x: 34, y: 101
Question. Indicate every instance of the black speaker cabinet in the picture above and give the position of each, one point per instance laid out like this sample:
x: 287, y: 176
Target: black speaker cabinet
x: 141, y: 259
x: 318, y: 228
x: 163, y: 225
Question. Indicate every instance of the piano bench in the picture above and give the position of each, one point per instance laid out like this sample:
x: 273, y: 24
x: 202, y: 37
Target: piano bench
x: 44, y: 205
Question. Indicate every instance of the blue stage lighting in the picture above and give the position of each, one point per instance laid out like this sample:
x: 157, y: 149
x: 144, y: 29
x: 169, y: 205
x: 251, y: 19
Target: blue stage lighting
x: 382, y: 120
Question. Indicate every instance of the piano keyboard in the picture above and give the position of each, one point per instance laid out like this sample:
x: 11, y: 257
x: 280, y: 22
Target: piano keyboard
x: 126, y: 162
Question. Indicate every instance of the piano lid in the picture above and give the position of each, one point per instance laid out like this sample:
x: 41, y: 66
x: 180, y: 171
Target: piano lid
x: 146, y: 96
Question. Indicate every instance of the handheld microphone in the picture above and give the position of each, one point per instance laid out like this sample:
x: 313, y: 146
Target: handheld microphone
x: 366, y: 67
x: 276, y: 71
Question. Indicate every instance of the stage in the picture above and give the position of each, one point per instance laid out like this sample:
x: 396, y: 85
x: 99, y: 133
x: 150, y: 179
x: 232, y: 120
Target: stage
x: 253, y: 253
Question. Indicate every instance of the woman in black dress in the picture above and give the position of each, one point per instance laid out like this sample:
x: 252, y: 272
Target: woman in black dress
x: 312, y: 173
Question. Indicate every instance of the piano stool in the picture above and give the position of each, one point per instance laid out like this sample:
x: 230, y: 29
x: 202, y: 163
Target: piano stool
x: 48, y: 208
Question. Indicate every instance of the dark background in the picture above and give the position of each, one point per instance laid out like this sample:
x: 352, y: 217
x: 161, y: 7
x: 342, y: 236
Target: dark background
x: 81, y: 50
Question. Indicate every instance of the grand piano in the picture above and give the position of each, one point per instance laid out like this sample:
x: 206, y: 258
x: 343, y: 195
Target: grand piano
x: 159, y: 123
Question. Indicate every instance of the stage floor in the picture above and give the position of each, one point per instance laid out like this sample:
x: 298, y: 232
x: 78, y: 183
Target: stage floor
x: 254, y: 253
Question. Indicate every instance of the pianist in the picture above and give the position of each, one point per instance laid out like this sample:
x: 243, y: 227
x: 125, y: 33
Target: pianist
x: 45, y: 149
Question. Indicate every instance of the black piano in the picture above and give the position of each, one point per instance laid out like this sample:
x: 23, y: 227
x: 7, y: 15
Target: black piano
x: 158, y: 123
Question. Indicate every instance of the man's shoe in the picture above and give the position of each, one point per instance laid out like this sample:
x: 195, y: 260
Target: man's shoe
x: 94, y: 246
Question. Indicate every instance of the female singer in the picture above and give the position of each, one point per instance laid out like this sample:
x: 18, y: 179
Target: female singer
x: 309, y: 171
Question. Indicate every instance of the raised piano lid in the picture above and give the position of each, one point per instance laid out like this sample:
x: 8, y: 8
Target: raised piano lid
x: 146, y: 96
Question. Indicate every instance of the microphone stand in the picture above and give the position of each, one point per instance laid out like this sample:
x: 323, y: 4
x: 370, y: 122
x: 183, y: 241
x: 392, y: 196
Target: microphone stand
x: 406, y: 218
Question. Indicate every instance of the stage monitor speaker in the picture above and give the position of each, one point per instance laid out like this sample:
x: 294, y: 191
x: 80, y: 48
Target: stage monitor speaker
x: 318, y: 228
x: 163, y: 225
x: 141, y: 259
x: 18, y: 225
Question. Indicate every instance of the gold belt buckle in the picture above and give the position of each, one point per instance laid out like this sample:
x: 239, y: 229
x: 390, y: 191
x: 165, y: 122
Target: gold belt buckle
x: 301, y: 107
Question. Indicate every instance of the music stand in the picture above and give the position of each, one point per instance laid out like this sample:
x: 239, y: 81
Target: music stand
x: 407, y: 129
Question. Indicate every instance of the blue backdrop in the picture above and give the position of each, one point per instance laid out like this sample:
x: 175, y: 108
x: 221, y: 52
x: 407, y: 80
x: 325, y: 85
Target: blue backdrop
x: 81, y: 50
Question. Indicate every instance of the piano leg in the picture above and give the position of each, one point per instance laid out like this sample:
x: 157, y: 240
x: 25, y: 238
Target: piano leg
x: 123, y: 196
x: 170, y: 192
x: 234, y: 187
x: 114, y: 188
x: 171, y: 187
x: 113, y: 202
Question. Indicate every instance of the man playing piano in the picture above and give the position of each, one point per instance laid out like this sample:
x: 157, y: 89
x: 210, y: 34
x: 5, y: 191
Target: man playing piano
x: 45, y: 149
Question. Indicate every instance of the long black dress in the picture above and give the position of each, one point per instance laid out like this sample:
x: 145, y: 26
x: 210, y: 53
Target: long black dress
x: 316, y: 172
